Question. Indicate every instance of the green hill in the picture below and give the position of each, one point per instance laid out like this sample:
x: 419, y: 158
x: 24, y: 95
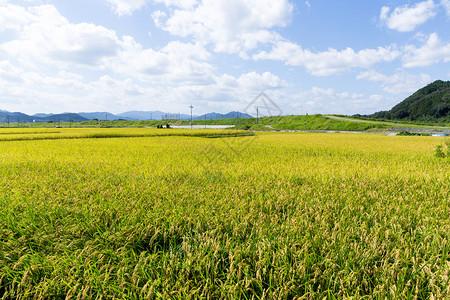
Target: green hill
x: 431, y: 103
x: 302, y: 122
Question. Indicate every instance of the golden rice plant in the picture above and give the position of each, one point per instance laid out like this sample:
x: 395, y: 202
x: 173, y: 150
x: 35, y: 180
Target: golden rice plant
x: 276, y: 215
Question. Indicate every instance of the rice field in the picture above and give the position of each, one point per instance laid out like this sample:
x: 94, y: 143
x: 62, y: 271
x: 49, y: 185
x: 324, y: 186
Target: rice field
x: 169, y: 214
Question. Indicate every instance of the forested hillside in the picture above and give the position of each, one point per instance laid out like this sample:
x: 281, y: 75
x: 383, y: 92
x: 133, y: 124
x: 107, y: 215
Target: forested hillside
x: 431, y: 103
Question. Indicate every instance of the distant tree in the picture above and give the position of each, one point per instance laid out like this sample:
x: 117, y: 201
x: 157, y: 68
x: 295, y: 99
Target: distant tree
x: 400, y: 114
x: 441, y: 110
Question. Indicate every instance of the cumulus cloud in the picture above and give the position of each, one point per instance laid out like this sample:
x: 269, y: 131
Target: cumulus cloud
x: 43, y: 34
x: 126, y: 7
x: 432, y: 52
x: 252, y: 81
x: 178, y: 3
x: 407, y: 18
x: 45, y: 51
x: 173, y: 64
x: 232, y: 26
x: 10, y: 72
x: 327, y: 62
x: 326, y: 100
x: 398, y: 83
x: 446, y: 5
x: 13, y: 16
x: 32, y: 91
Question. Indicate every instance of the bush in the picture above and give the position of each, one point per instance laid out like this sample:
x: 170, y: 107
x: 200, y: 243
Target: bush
x: 407, y: 133
x: 441, y: 152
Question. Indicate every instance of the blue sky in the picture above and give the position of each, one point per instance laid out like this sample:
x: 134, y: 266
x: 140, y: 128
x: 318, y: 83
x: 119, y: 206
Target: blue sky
x: 315, y: 56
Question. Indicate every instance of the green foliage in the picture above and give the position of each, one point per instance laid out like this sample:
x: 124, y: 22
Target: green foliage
x: 448, y: 148
x: 408, y: 133
x: 319, y: 122
x: 300, y: 122
x: 429, y: 104
x: 440, y: 150
x: 259, y: 127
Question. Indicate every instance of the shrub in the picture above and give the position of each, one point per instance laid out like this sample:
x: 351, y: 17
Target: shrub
x: 440, y: 152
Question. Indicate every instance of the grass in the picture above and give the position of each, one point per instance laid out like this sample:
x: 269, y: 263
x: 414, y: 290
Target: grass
x: 409, y: 123
x: 302, y: 122
x: 274, y: 215
x: 319, y: 122
x: 299, y: 122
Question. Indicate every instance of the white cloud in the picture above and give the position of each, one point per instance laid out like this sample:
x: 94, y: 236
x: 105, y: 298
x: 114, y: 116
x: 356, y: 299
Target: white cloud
x: 178, y: 3
x: 31, y: 91
x: 126, y: 7
x: 325, y: 100
x: 175, y: 63
x: 49, y: 63
x: 10, y: 72
x: 252, y: 81
x: 232, y: 26
x: 227, y: 91
x: 259, y: 82
x: 44, y: 35
x: 398, y: 83
x: 14, y: 17
x: 327, y: 62
x: 12, y: 76
x: 432, y: 52
x: 446, y: 5
x: 407, y: 18
x: 157, y: 16
x: 232, y: 93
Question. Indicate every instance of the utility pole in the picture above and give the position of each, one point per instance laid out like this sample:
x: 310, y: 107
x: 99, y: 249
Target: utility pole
x: 257, y: 115
x: 191, y: 107
x: 8, y: 120
x: 237, y: 120
x: 70, y: 120
x: 205, y: 121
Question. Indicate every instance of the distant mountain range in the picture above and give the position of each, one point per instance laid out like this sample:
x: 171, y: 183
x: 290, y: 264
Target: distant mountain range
x: 217, y: 116
x: 13, y: 117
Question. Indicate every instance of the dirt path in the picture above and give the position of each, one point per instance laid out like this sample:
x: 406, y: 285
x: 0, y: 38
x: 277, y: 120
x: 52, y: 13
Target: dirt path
x: 348, y: 119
